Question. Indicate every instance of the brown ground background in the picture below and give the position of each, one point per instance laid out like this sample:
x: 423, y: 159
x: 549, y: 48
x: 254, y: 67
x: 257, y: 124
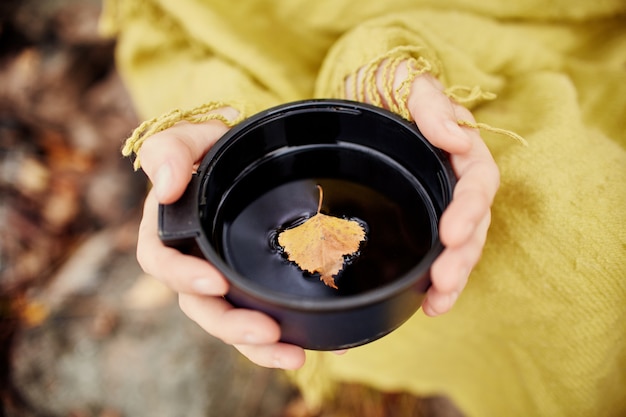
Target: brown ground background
x: 83, y: 332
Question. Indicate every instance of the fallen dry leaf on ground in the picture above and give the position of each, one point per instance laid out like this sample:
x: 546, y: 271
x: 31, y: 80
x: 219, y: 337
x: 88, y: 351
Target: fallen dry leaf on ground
x: 321, y: 243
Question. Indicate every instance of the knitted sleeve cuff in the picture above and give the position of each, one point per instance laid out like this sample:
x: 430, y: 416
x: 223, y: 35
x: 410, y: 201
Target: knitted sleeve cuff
x: 363, y: 66
x: 200, y: 114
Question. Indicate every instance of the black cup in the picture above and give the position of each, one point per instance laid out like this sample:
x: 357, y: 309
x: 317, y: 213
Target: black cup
x: 261, y: 177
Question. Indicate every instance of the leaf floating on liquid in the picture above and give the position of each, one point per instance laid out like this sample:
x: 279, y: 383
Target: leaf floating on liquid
x: 320, y: 243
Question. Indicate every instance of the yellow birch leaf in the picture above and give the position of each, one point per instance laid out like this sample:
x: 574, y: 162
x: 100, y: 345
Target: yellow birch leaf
x: 321, y: 243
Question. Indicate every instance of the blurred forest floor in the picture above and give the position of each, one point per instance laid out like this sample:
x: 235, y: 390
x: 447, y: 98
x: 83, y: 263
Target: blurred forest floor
x: 82, y: 331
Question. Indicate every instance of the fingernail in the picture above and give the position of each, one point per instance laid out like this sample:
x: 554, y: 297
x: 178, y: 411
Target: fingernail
x: 452, y: 298
x: 428, y: 310
x: 277, y: 363
x: 203, y: 286
x: 456, y: 130
x: 466, y: 272
x: 250, y: 338
x: 442, y: 304
x: 162, y: 181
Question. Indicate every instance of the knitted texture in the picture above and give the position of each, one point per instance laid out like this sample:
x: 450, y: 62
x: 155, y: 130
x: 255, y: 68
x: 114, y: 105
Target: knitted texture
x: 200, y: 114
x: 539, y: 330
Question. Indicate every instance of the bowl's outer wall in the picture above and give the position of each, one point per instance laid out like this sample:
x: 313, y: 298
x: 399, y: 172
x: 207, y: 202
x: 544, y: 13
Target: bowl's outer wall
x: 338, y: 329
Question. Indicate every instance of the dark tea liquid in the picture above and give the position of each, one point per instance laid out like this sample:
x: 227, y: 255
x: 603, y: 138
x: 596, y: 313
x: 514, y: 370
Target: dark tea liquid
x: 398, y: 235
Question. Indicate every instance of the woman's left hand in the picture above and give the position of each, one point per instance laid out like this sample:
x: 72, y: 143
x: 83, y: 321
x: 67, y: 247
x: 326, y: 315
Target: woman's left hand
x: 464, y: 224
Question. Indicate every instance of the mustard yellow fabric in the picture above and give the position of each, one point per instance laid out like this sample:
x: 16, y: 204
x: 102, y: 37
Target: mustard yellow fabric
x: 540, y: 329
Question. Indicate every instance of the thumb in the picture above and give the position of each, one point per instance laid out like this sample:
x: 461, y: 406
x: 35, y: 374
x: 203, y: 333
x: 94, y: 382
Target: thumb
x: 169, y: 157
x: 170, y: 180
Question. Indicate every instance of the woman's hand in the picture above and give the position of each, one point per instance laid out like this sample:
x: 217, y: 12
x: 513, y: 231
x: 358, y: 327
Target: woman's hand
x: 464, y: 224
x: 169, y: 159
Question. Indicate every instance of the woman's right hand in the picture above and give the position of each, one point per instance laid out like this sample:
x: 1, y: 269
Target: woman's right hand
x: 169, y: 159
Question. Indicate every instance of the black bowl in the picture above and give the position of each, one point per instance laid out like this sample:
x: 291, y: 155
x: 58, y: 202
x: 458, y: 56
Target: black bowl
x: 261, y: 177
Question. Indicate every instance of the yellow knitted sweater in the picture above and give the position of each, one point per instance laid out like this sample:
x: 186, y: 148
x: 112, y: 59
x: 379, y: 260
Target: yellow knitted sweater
x: 540, y: 329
